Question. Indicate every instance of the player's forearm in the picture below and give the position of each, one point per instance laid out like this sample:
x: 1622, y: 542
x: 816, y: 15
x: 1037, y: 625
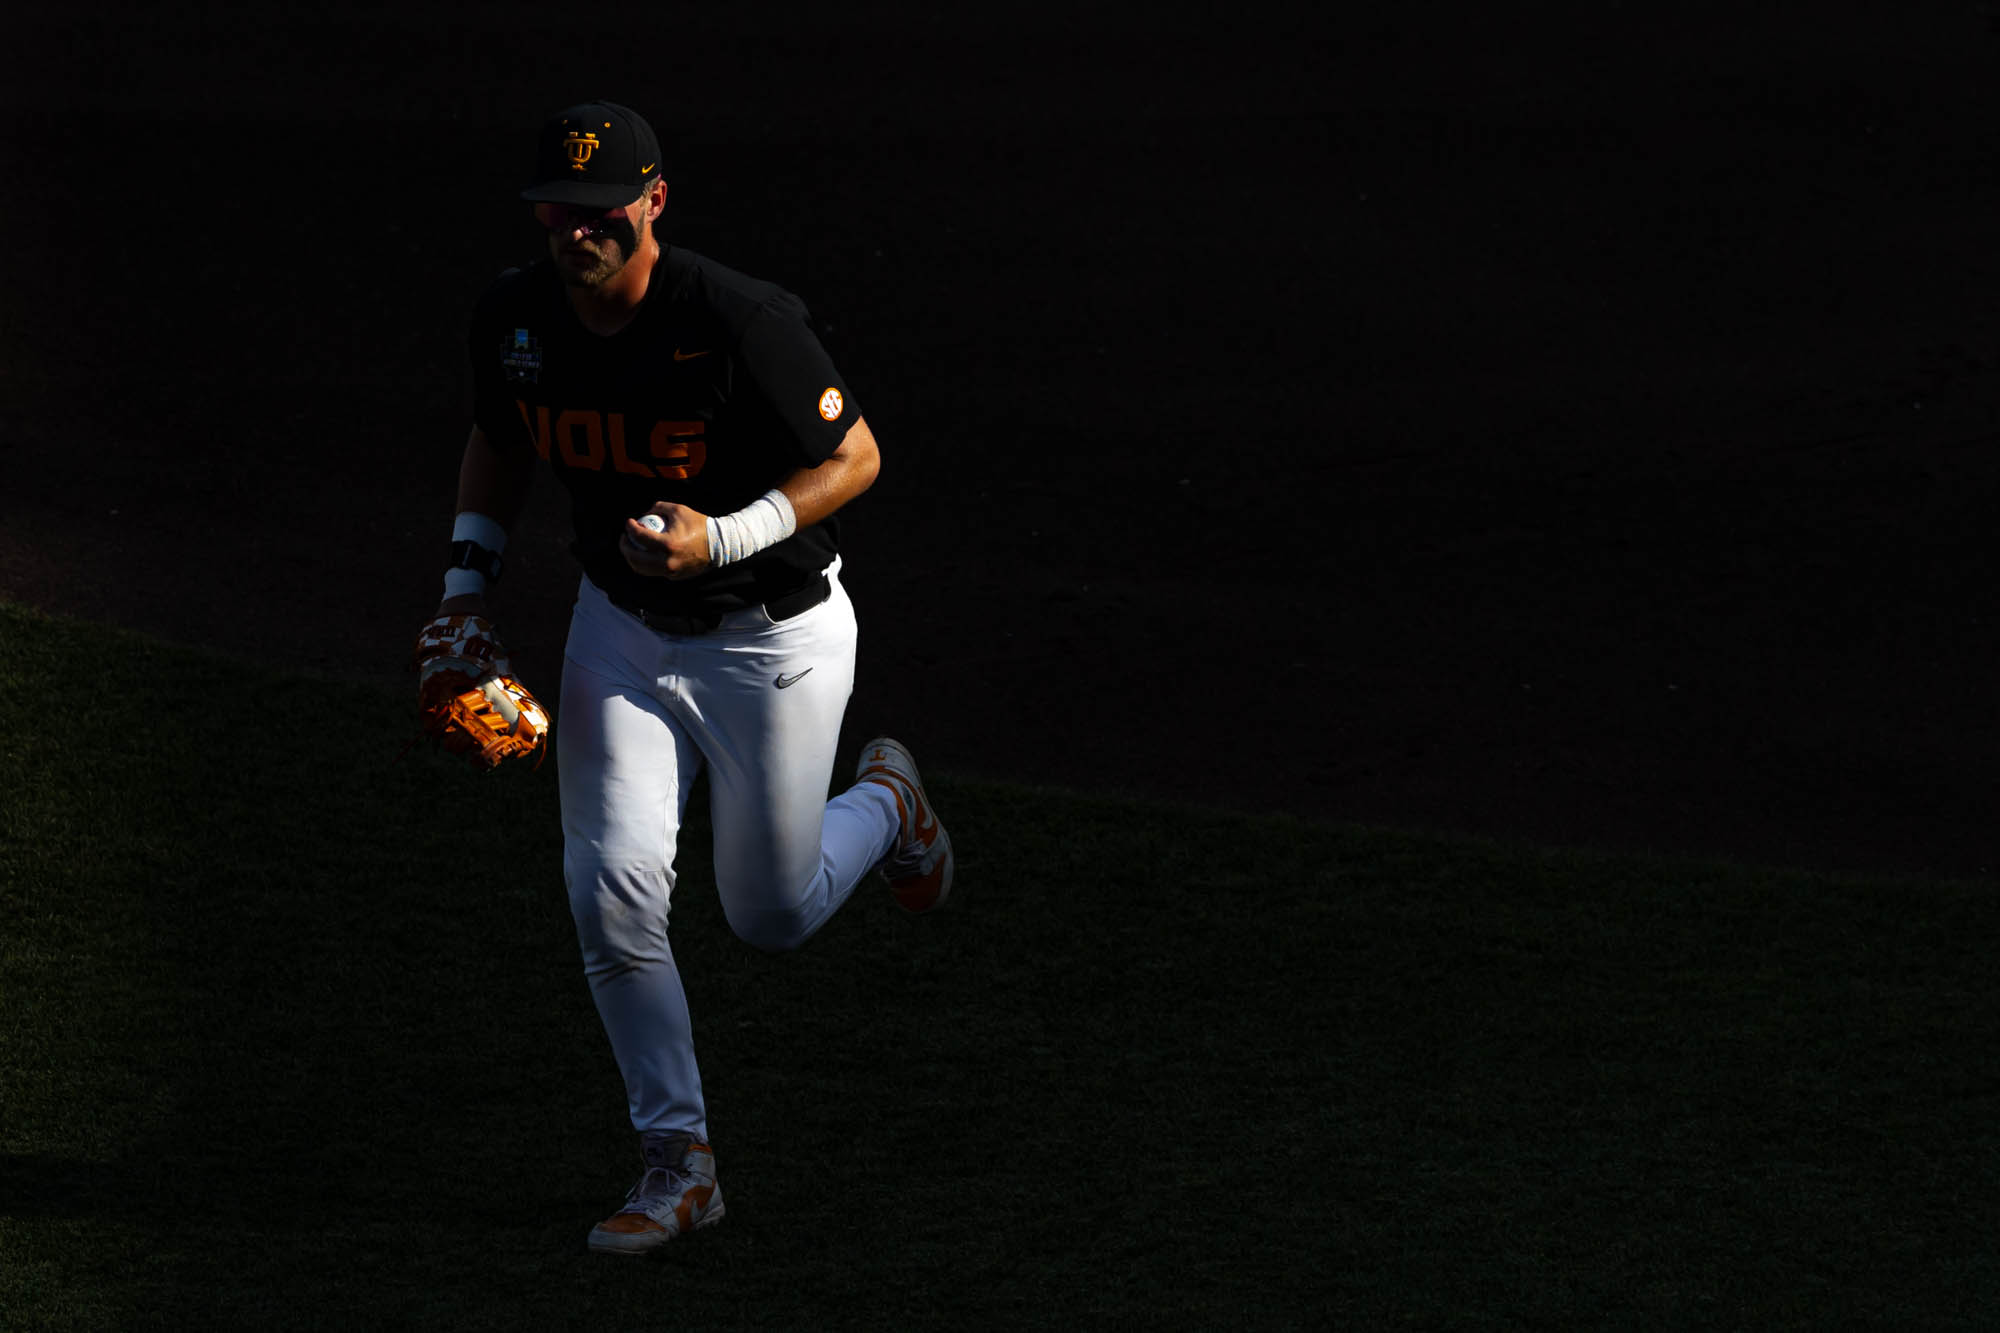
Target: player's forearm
x: 492, y: 488
x: 491, y: 482
x: 682, y: 542
x: 816, y: 492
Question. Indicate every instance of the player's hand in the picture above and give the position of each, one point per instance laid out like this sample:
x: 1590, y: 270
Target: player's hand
x: 678, y: 551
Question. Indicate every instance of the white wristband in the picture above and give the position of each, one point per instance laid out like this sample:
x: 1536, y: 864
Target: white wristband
x: 471, y: 527
x: 459, y: 582
x: 765, y: 521
x: 482, y: 532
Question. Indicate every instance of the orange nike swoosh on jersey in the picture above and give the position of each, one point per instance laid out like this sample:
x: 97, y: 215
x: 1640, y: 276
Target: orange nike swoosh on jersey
x: 679, y: 355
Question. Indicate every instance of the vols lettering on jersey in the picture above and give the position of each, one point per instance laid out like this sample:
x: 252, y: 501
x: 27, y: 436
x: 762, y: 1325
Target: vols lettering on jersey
x: 715, y: 392
x: 593, y: 441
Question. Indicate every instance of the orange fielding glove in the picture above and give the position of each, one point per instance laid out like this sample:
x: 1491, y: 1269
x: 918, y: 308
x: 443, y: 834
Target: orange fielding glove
x: 468, y: 700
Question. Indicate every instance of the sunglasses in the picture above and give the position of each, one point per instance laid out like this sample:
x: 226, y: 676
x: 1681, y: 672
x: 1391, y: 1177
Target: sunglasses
x: 570, y: 217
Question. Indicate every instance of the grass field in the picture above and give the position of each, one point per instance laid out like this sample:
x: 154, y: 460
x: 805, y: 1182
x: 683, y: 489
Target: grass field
x: 293, y: 1034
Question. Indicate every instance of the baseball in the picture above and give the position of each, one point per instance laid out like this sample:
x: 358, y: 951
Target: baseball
x: 654, y: 522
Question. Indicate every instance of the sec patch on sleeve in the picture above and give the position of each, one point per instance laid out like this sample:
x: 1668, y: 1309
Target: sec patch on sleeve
x: 830, y: 404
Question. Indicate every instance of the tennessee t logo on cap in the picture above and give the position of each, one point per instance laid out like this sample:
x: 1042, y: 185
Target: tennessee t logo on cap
x: 579, y: 147
x: 597, y: 155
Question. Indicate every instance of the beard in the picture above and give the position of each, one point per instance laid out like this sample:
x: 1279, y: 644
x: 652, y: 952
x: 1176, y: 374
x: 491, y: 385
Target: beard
x: 600, y: 256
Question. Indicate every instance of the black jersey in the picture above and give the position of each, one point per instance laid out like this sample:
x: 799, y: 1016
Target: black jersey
x: 715, y: 392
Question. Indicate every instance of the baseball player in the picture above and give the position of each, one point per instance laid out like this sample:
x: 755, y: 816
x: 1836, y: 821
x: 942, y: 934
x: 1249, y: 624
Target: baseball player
x: 706, y: 442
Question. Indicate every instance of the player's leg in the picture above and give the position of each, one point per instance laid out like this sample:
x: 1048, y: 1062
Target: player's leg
x: 770, y: 700
x: 626, y: 767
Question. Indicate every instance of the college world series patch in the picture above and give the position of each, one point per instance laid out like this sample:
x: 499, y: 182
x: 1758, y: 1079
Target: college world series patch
x: 521, y: 357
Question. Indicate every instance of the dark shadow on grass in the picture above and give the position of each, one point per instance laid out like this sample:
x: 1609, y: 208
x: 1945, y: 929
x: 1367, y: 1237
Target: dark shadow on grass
x: 36, y: 1186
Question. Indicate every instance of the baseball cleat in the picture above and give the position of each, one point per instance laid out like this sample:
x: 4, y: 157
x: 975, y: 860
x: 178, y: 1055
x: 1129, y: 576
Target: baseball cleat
x: 919, y: 866
x: 678, y: 1194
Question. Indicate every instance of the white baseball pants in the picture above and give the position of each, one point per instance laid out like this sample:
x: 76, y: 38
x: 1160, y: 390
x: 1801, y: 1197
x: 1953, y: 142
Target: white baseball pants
x: 642, y: 713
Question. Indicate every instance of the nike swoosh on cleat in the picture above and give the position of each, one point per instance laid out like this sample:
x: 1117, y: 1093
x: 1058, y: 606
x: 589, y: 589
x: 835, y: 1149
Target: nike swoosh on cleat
x: 785, y: 682
x: 679, y: 355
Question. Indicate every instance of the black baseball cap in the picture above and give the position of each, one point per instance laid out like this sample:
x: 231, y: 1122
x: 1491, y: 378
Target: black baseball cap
x: 597, y: 155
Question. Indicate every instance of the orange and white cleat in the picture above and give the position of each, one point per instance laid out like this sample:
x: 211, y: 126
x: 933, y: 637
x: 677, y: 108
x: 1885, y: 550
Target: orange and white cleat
x: 919, y: 866
x: 678, y: 1194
